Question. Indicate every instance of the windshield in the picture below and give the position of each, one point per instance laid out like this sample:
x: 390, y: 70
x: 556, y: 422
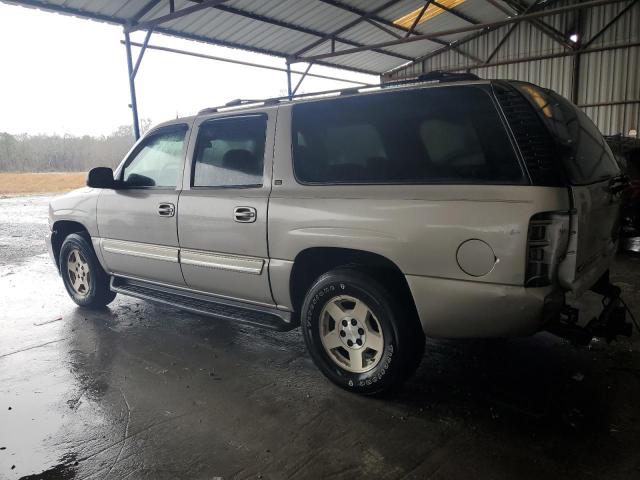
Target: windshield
x: 586, y: 156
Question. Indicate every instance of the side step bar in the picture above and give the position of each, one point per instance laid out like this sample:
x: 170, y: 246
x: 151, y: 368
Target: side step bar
x: 211, y: 306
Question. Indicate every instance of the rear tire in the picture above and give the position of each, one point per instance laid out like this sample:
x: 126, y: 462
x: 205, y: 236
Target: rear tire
x: 84, y: 278
x: 362, y: 338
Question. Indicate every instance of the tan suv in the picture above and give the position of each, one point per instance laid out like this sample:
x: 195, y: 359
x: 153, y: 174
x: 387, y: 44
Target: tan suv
x: 371, y: 218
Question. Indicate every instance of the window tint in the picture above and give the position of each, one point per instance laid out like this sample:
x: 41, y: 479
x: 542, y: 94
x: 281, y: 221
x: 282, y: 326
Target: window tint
x: 230, y: 152
x: 157, y: 162
x: 448, y: 134
x: 585, y: 154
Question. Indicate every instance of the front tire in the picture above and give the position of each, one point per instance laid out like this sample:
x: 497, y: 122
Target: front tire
x: 84, y: 278
x: 358, y: 334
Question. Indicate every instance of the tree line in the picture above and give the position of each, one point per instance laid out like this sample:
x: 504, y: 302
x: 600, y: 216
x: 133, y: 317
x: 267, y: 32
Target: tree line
x: 64, y: 153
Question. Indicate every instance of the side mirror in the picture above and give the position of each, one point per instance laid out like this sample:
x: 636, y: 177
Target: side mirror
x: 101, y: 177
x: 137, y: 180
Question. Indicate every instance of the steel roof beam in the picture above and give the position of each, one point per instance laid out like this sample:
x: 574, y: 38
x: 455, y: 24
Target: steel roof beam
x: 244, y: 63
x: 174, y: 15
x: 273, y: 53
x: 538, y: 24
x: 611, y: 23
x: 509, y: 32
x: 143, y: 48
x: 470, y: 28
x: 299, y: 28
x: 458, y: 43
x: 121, y: 21
x: 295, y: 90
x: 455, y: 46
x: 533, y: 58
x: 331, y: 36
x: 113, y: 20
x: 384, y: 21
x: 144, y: 10
x: 460, y: 15
x: 383, y: 28
x: 373, y: 15
x: 418, y: 18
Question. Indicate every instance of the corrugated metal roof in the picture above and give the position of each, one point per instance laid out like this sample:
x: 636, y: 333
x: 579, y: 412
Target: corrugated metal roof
x: 608, y: 84
x: 284, y: 27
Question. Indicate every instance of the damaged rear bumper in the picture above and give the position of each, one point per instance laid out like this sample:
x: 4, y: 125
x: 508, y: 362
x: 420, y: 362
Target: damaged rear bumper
x: 562, y: 319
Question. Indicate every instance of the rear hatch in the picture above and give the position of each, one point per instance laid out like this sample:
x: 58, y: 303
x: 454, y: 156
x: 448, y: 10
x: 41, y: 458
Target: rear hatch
x: 587, y: 166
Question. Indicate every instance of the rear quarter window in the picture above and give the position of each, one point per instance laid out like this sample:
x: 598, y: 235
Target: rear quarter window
x: 438, y: 135
x: 586, y: 158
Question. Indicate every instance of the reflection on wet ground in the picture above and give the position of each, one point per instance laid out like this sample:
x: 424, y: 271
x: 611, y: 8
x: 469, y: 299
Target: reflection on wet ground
x: 143, y: 391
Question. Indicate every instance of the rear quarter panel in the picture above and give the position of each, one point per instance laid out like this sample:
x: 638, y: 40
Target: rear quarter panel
x: 418, y: 227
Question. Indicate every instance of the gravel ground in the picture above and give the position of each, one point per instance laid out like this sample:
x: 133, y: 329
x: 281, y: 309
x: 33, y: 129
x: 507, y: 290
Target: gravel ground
x: 23, y: 227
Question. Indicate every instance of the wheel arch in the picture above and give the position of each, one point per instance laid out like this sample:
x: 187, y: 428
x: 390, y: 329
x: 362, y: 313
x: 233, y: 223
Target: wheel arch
x: 60, y: 230
x: 312, y: 262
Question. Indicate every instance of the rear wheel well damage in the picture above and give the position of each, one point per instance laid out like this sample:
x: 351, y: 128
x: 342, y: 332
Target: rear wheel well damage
x: 61, y: 230
x: 313, y: 262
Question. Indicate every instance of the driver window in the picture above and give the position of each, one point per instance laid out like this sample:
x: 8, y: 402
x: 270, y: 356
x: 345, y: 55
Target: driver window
x: 157, y: 162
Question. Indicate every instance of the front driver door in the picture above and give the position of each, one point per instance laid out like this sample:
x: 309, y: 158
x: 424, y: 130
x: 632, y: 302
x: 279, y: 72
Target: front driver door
x: 137, y: 222
x: 223, y: 207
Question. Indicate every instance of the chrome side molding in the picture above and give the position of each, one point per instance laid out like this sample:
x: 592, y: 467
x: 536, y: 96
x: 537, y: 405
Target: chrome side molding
x: 144, y: 250
x: 198, y: 258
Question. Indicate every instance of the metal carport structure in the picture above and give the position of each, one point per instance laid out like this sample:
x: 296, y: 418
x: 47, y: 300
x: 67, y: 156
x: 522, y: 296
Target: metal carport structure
x: 391, y: 38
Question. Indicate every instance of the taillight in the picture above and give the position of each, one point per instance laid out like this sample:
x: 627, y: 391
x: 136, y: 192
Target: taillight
x: 546, y: 247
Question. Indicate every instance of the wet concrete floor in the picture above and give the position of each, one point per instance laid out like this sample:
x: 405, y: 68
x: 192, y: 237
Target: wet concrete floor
x: 143, y: 391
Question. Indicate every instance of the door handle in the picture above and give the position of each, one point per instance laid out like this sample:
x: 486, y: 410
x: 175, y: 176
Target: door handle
x: 245, y: 214
x: 166, y: 209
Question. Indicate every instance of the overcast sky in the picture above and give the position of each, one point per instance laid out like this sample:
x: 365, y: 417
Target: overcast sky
x: 61, y: 74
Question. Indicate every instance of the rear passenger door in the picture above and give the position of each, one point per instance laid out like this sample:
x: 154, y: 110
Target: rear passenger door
x: 222, y: 214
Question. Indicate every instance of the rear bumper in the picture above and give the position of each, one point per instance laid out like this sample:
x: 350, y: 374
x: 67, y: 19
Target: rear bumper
x: 462, y: 309
x: 579, y: 279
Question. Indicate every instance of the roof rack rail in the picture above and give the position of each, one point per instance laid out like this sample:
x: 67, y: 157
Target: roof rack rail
x: 435, y: 76
x: 442, y: 76
x: 240, y: 101
x: 233, y: 103
x: 349, y: 91
x: 276, y: 100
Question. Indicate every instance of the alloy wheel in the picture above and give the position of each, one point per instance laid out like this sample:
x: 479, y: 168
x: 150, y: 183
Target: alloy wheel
x: 351, y: 334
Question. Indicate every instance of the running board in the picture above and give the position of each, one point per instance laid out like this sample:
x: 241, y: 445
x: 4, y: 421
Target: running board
x: 257, y: 315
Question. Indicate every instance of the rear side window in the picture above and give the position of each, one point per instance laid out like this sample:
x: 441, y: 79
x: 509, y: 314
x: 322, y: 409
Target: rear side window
x: 230, y: 152
x: 439, y: 135
x: 585, y: 155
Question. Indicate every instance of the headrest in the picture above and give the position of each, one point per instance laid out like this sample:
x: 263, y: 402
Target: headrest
x: 241, y: 161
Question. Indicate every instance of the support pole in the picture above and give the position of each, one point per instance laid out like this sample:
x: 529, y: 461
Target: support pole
x: 141, y: 54
x: 289, y: 92
x: 132, y: 86
x: 575, y: 78
x: 304, y: 75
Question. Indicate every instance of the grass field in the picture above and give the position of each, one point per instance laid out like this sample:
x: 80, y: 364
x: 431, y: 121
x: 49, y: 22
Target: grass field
x: 27, y: 183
